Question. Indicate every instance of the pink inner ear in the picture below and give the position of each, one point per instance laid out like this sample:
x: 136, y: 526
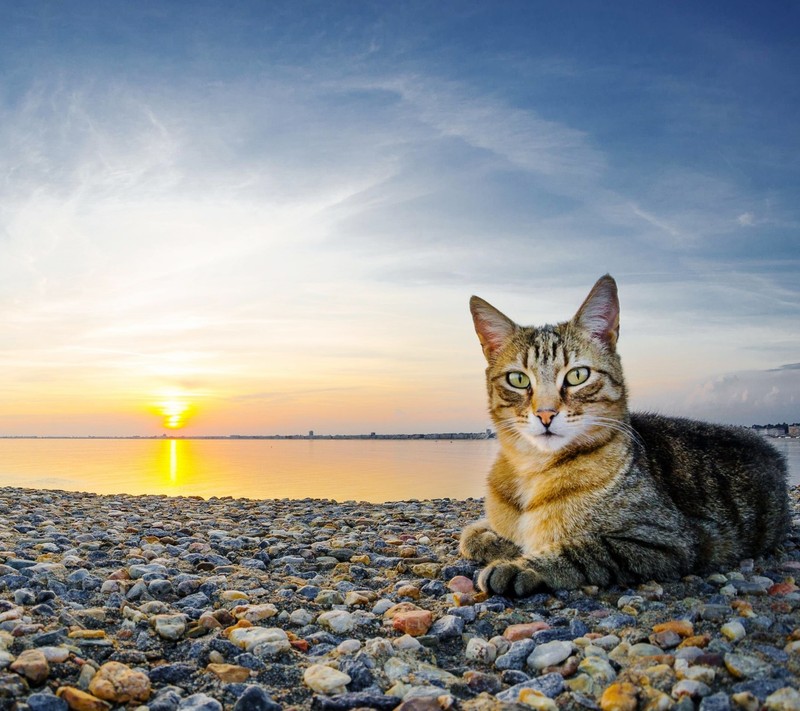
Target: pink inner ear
x: 599, y: 314
x: 491, y: 336
x: 493, y: 328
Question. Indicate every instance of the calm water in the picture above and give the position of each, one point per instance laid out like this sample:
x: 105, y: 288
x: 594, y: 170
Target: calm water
x: 384, y: 470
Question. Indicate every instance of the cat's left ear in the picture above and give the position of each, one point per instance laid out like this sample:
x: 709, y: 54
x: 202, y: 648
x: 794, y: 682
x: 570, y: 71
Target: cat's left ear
x: 599, y: 314
x: 494, y: 329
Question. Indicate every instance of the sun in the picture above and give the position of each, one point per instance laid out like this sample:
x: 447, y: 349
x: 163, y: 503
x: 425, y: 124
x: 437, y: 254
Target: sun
x: 174, y: 411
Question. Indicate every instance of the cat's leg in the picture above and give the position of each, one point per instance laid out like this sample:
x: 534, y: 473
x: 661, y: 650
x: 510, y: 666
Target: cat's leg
x: 598, y: 560
x: 480, y: 543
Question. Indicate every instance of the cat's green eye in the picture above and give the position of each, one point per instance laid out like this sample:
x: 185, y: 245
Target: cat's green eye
x: 518, y: 380
x: 577, y: 376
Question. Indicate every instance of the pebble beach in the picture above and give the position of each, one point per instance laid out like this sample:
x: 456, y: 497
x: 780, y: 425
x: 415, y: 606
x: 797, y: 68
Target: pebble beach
x: 175, y: 604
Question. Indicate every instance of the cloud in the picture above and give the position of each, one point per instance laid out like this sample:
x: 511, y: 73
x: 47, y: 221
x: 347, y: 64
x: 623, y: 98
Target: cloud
x: 743, y: 397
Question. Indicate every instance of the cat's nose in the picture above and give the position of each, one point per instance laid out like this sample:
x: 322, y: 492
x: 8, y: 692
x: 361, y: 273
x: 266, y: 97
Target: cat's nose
x: 546, y: 416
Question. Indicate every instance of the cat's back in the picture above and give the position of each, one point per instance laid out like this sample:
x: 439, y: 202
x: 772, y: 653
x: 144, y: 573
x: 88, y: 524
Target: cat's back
x: 727, y: 480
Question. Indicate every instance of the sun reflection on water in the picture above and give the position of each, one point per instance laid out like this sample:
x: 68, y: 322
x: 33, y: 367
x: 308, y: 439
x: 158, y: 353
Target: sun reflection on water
x: 173, y: 461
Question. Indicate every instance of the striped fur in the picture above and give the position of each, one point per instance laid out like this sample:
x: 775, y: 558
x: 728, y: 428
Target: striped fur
x: 584, y: 492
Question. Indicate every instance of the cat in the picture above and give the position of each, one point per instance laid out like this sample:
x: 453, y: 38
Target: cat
x: 584, y: 492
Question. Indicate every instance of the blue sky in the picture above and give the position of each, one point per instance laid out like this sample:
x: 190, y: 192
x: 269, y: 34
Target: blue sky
x: 272, y: 214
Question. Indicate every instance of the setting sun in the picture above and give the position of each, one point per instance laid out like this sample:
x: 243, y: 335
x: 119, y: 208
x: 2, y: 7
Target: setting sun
x: 174, y: 413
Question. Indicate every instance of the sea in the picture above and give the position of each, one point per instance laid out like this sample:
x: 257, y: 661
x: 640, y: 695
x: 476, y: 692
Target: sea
x: 358, y: 470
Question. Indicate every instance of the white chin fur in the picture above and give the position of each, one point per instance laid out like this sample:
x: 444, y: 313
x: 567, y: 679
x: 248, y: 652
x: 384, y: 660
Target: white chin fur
x: 545, y: 443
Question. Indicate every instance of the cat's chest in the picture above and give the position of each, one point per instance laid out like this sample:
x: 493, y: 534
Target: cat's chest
x: 550, y: 517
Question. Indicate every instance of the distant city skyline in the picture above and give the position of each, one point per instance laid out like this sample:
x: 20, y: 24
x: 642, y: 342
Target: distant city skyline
x: 271, y: 216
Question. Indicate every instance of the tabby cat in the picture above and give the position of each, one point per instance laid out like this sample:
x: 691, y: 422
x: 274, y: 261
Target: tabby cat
x: 584, y: 492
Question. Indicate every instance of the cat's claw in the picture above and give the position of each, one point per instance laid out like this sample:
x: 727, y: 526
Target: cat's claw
x: 510, y: 578
x: 480, y: 543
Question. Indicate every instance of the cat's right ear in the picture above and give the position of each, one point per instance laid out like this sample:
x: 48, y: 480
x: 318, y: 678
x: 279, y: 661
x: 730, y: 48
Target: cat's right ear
x: 494, y: 329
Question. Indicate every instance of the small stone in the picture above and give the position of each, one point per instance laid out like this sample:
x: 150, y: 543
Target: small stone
x: 120, y: 684
x: 81, y: 701
x: 170, y: 627
x: 619, y: 697
x: 782, y: 588
x: 716, y: 702
x: 549, y: 654
x: 355, y: 599
x: 46, y: 702
x: 537, y: 700
x: 338, y: 621
x: 32, y: 664
x: 684, y: 628
x: 199, y: 702
x: 645, y: 650
x: 516, y: 656
x: 597, y: 669
x: 550, y: 685
x: 413, y: 622
x: 746, y: 666
x: 229, y: 673
x: 734, y: 630
x: 325, y: 680
x: 666, y: 639
x: 55, y: 655
x: 406, y: 643
x: 514, y: 633
x: 447, y: 627
x: 700, y: 641
x: 410, y: 591
x: 268, y: 640
x: 692, y: 689
x: 714, y: 612
x: 652, y: 699
x: 256, y: 613
x: 301, y: 617
x: 460, y: 584
x: 479, y: 682
x: 700, y: 672
x: 426, y: 570
x: 479, y: 650
x: 255, y: 698
x: 349, y: 646
x: 785, y: 699
x: 746, y: 701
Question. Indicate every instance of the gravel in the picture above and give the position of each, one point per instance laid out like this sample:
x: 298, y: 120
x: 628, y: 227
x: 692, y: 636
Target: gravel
x: 170, y: 604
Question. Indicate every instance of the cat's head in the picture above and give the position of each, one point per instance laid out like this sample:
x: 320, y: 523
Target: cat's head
x: 555, y: 388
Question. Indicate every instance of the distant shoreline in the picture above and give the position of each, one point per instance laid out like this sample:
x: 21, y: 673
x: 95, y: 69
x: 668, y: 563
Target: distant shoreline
x: 372, y: 436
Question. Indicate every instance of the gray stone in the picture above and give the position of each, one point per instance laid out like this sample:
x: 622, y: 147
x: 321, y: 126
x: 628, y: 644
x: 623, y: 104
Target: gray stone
x: 550, y: 685
x: 255, y: 698
x: 516, y: 656
x: 615, y: 621
x: 716, y: 702
x: 47, y: 702
x: 199, y: 702
x: 549, y: 654
x: 447, y: 627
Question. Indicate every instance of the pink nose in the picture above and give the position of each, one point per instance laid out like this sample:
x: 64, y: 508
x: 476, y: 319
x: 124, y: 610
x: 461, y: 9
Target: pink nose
x: 546, y: 416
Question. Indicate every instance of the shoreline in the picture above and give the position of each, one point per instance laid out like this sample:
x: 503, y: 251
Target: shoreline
x: 164, y: 603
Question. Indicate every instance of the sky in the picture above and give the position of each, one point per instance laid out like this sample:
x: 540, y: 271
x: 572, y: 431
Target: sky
x: 268, y: 217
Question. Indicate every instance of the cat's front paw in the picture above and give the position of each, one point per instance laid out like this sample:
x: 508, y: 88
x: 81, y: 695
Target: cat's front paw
x: 512, y: 578
x: 480, y: 543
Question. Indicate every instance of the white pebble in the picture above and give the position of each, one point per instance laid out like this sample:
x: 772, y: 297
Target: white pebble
x: 479, y: 650
x: 549, y: 654
x: 407, y: 643
x: 733, y: 630
x: 301, y: 617
x: 337, y: 620
x: 325, y: 680
x: 349, y: 646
